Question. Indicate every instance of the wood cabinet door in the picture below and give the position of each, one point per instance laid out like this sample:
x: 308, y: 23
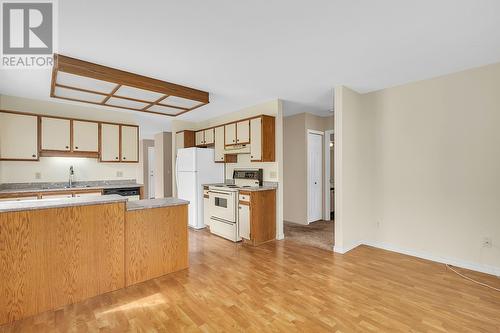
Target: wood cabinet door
x: 85, y: 136
x: 230, y: 130
x: 219, y: 144
x: 18, y: 137
x: 110, y: 143
x: 56, y: 134
x: 209, y: 136
x: 130, y: 143
x: 199, y: 138
x: 256, y: 139
x: 244, y: 221
x: 243, y: 132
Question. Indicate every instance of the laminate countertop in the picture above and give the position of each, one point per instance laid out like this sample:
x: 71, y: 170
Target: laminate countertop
x: 16, y: 206
x: 21, y: 188
x: 154, y: 203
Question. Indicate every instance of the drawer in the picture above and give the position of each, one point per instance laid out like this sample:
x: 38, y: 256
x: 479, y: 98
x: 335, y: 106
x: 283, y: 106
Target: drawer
x: 244, y: 197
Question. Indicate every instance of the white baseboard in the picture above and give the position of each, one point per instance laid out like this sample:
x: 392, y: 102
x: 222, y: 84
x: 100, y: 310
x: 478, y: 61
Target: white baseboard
x: 343, y: 250
x: 488, y: 269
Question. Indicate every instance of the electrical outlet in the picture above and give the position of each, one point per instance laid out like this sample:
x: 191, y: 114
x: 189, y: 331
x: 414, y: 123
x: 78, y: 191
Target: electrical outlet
x: 378, y: 223
x: 487, y: 242
x: 38, y: 175
x: 119, y: 174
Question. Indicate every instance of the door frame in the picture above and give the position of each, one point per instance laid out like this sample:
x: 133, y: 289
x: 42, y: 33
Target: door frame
x: 151, y: 166
x: 308, y: 171
x: 326, y: 173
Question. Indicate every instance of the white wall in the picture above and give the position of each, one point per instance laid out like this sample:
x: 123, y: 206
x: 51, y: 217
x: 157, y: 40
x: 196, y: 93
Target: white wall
x: 53, y: 169
x: 435, y: 164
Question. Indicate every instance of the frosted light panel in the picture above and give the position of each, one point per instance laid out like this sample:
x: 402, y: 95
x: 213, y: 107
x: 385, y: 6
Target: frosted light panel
x: 145, y: 95
x: 83, y: 82
x: 165, y: 109
x: 181, y: 102
x: 113, y: 101
x: 80, y: 95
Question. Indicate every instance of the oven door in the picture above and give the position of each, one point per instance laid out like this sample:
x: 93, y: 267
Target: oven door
x: 223, y: 205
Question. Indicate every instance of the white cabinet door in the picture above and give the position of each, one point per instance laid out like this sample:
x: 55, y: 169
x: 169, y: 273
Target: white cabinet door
x: 110, y: 143
x: 256, y: 139
x: 130, y: 144
x: 55, y: 134
x: 18, y: 136
x: 199, y: 138
x: 243, y: 131
x: 209, y: 136
x: 230, y: 134
x: 85, y: 136
x: 219, y: 144
x: 244, y: 221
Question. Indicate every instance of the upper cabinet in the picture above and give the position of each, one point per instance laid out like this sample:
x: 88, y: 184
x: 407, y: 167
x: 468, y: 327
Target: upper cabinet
x: 243, y: 132
x: 204, y: 137
x: 184, y: 139
x: 56, y: 134
x: 85, y: 136
x: 220, y: 155
x: 129, y: 143
x: 110, y: 143
x: 263, y: 139
x: 18, y: 137
x: 230, y: 136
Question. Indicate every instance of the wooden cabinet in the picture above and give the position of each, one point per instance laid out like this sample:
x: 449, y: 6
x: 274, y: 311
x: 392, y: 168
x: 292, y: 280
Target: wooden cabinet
x: 18, y: 137
x: 204, y: 137
x: 199, y: 138
x: 110, y: 143
x: 262, y: 141
x: 257, y: 216
x: 129, y: 143
x: 184, y: 139
x: 56, y: 134
x: 230, y: 136
x: 85, y: 136
x: 209, y: 136
x: 220, y: 155
x: 243, y: 132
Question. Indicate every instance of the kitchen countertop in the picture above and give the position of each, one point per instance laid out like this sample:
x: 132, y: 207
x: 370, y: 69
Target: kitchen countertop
x: 154, y: 203
x: 62, y: 186
x: 16, y: 206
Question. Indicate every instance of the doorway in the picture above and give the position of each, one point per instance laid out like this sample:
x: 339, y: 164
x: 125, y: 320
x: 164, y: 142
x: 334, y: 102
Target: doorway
x: 329, y: 185
x: 314, y: 175
x: 151, y: 174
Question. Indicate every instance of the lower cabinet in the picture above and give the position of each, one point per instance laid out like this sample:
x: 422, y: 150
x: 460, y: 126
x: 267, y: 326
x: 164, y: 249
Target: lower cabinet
x: 257, y: 216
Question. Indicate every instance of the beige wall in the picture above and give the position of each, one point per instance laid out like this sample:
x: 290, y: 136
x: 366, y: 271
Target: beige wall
x: 295, y: 162
x: 435, y: 163
x: 54, y: 169
x: 163, y: 165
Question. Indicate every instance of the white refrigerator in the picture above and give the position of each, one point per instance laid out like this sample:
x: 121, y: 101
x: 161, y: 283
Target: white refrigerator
x: 195, y: 167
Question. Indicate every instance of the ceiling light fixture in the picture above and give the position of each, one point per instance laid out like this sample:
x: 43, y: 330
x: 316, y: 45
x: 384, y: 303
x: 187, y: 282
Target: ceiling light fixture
x: 82, y: 81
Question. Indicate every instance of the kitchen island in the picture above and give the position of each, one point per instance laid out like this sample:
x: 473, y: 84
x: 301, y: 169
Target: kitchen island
x: 55, y: 252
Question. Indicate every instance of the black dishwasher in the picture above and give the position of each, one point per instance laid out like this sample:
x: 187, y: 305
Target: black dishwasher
x: 132, y: 193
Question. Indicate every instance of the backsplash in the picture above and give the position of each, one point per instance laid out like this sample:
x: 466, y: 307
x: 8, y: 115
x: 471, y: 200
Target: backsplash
x: 56, y: 169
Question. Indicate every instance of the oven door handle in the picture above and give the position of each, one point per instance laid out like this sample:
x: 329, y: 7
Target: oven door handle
x: 216, y: 192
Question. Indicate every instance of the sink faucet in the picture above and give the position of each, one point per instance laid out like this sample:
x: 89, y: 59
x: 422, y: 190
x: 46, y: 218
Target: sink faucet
x: 71, y: 174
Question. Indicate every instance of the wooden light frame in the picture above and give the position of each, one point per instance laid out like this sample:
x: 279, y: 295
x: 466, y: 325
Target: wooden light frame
x: 124, y: 79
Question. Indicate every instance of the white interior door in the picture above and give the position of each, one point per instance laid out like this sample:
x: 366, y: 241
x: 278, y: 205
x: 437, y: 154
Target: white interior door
x: 151, y: 174
x: 315, y: 176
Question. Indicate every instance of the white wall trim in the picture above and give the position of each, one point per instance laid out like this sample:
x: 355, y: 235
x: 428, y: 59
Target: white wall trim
x: 326, y: 175
x: 483, y: 268
x: 337, y: 160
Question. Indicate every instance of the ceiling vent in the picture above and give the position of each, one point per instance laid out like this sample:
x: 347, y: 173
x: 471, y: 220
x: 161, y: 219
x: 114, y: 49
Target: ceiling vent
x: 82, y: 81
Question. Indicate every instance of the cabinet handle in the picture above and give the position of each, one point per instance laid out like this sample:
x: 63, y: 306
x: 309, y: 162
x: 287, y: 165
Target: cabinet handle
x: 76, y: 147
x: 33, y: 155
x: 233, y: 140
x: 67, y: 147
x: 124, y: 158
x: 116, y: 158
x: 251, y: 156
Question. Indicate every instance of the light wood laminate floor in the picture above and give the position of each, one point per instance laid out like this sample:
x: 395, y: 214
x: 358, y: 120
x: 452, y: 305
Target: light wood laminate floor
x: 285, y: 287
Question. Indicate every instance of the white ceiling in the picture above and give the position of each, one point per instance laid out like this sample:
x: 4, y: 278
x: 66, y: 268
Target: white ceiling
x: 247, y: 52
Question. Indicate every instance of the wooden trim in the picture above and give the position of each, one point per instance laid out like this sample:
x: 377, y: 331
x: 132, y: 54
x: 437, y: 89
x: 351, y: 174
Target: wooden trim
x: 64, y: 153
x: 122, y: 78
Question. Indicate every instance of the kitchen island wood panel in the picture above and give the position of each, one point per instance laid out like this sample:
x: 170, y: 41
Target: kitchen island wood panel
x: 157, y: 242
x: 57, y: 256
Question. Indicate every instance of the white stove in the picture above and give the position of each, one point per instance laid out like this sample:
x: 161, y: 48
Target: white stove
x: 223, y: 205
